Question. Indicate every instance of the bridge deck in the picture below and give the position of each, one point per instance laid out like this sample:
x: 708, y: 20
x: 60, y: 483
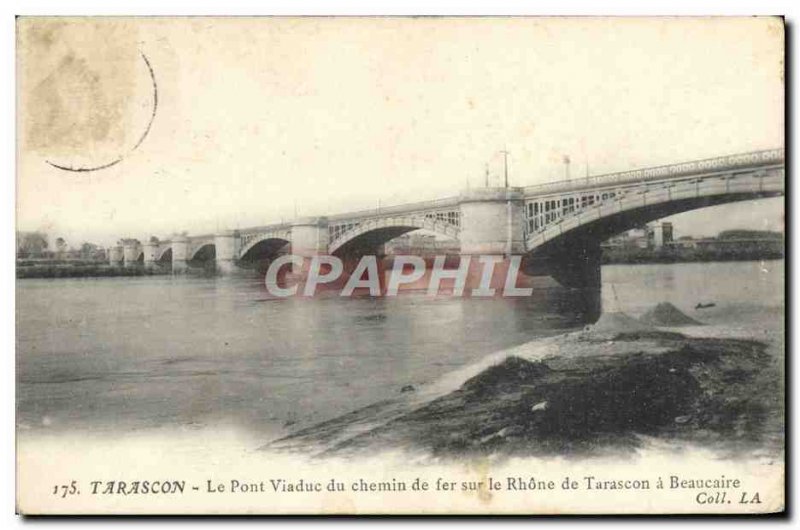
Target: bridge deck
x: 721, y: 164
x: 745, y: 161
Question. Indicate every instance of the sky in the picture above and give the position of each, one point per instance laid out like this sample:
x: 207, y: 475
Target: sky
x: 261, y: 119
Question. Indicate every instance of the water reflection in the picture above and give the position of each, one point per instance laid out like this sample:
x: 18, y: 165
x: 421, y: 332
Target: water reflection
x: 157, y: 351
x: 121, y: 354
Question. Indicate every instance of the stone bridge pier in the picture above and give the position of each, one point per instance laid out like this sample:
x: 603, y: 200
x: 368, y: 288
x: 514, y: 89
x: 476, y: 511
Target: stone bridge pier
x: 576, y: 266
x: 180, y: 251
x: 309, y: 238
x: 115, y: 256
x: 493, y: 223
x: 130, y: 252
x: 226, y: 248
x: 149, y: 251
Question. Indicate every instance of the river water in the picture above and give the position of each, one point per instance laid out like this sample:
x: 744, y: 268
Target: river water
x: 112, y: 356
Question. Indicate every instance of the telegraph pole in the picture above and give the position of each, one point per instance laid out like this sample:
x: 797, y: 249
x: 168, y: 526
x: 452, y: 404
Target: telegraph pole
x: 509, y: 215
x: 505, y: 165
x: 486, y: 175
x: 587, y: 166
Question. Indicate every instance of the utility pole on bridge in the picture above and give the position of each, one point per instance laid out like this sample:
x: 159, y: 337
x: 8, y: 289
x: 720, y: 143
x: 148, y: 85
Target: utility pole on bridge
x: 509, y: 214
x: 505, y: 165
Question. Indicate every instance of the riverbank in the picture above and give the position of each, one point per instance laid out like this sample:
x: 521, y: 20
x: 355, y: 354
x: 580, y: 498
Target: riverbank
x: 641, y: 256
x: 605, y: 389
x: 83, y: 270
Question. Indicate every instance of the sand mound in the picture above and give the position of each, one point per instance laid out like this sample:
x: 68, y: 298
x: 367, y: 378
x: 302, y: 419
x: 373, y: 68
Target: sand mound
x: 587, y: 405
x: 666, y: 314
x: 618, y: 322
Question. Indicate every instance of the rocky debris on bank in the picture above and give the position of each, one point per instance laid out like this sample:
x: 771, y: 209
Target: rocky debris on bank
x: 599, y: 391
x: 612, y: 323
x: 667, y: 315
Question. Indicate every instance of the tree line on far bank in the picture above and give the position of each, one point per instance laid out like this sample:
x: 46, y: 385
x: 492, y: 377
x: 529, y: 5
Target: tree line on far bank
x: 729, y: 245
x: 35, y: 246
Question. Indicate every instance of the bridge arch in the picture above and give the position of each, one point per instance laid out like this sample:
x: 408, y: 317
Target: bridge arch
x: 164, y: 254
x: 648, y: 203
x: 570, y: 247
x: 262, y: 249
x: 203, y: 253
x: 372, y: 233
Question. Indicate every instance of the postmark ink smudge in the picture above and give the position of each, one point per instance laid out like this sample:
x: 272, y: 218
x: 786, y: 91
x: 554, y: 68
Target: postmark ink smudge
x: 85, y: 169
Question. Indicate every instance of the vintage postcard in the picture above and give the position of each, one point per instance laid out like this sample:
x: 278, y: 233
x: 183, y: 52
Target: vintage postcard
x: 377, y: 265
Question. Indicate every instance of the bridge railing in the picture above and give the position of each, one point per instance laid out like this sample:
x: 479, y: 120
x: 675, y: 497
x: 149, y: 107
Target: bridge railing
x: 768, y: 184
x: 404, y: 208
x: 283, y: 225
x: 722, y: 163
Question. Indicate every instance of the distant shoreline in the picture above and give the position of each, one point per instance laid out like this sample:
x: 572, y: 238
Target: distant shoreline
x: 646, y: 256
x: 102, y: 270
x: 83, y: 270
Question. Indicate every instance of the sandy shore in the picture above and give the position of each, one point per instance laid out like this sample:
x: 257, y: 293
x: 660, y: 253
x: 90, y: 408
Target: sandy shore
x: 620, y: 400
x: 606, y: 389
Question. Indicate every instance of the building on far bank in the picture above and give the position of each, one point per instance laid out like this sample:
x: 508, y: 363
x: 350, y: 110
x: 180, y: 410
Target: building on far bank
x: 744, y: 242
x: 685, y: 242
x: 662, y: 234
x: 650, y: 236
x: 656, y: 243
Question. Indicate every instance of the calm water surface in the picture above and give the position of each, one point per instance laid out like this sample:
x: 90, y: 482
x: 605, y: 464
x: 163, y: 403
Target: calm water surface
x: 117, y: 355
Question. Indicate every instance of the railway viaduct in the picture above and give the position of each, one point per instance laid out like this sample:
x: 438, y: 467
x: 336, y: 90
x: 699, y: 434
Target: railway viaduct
x: 557, y: 227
